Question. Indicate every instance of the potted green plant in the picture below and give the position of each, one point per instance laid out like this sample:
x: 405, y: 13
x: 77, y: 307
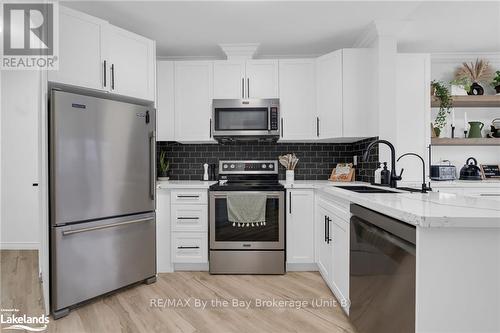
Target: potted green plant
x: 164, y: 166
x: 442, y: 93
x: 496, y: 82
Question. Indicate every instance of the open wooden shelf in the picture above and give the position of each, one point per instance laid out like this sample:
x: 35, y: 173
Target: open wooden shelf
x: 469, y: 101
x: 465, y: 142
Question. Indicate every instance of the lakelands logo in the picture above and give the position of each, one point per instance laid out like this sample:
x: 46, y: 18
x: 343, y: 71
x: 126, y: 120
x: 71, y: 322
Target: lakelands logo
x: 29, y: 33
x: 24, y: 322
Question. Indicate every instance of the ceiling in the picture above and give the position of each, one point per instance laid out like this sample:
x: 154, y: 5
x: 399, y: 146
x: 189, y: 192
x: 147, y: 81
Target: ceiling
x: 300, y: 28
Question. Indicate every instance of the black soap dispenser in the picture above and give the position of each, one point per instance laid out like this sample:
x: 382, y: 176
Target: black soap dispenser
x: 385, y: 175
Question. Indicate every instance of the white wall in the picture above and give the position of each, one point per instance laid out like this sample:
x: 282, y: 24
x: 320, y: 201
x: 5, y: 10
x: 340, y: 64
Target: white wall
x: 20, y: 101
x: 442, y: 68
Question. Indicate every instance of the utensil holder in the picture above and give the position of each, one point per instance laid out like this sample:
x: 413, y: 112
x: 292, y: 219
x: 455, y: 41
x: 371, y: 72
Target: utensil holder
x: 290, y: 176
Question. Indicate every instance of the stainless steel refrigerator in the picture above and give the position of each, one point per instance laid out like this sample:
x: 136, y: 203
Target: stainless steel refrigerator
x: 102, y: 195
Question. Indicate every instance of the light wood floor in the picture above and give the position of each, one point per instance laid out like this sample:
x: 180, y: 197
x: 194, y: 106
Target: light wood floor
x: 130, y: 311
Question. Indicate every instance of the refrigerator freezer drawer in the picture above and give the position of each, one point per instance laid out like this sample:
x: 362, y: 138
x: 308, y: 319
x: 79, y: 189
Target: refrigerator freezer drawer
x: 91, y: 259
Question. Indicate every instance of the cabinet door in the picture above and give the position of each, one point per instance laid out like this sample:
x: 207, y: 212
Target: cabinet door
x: 340, y: 269
x: 300, y: 226
x: 80, y: 62
x: 163, y: 238
x: 262, y: 79
x: 323, y: 248
x: 359, y: 112
x: 193, y: 100
x: 229, y: 79
x: 298, y: 99
x: 165, y: 101
x: 329, y: 95
x: 131, y: 63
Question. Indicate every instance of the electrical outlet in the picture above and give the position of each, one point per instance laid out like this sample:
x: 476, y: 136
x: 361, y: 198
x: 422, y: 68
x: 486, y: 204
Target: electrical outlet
x: 355, y: 160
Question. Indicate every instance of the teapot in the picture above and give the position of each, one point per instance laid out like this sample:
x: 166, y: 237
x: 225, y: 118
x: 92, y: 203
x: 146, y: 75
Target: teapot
x: 495, y: 128
x: 470, y: 171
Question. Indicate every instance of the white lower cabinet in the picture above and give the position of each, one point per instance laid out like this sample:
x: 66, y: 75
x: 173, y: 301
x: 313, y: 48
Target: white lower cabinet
x: 300, y: 227
x: 189, y: 226
x: 163, y: 258
x: 189, y: 247
x: 324, y: 253
x: 332, y: 247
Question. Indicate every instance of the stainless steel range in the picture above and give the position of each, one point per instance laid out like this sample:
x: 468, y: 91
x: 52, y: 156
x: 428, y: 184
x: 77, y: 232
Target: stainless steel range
x: 247, y: 219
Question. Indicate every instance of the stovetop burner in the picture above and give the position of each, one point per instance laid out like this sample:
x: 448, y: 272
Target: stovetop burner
x: 248, y: 176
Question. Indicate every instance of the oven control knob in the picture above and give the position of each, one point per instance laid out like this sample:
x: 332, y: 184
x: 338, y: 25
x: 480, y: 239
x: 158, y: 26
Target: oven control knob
x: 232, y: 166
x: 225, y: 166
x: 271, y: 166
x: 263, y: 166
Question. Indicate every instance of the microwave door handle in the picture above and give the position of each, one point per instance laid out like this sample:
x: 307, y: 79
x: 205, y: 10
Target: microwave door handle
x: 269, y: 119
x: 243, y: 88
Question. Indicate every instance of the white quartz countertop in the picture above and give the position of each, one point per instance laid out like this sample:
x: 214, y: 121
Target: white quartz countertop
x: 180, y: 184
x: 488, y: 183
x: 434, y: 209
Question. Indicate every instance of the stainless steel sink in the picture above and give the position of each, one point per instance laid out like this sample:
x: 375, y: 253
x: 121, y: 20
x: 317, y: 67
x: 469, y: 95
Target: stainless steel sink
x: 366, y: 189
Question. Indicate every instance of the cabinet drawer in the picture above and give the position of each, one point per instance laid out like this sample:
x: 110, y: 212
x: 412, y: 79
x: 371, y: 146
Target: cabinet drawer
x: 189, y: 247
x: 189, y: 217
x: 189, y: 197
x: 335, y: 208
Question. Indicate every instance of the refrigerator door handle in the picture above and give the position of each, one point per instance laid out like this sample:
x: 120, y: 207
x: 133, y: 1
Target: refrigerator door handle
x: 152, y: 164
x: 77, y: 231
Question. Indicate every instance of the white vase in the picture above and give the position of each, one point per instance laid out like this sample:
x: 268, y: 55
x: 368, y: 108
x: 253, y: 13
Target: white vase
x: 290, y: 176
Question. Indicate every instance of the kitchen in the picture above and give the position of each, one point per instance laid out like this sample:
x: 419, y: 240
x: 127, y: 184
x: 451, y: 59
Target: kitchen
x: 215, y: 165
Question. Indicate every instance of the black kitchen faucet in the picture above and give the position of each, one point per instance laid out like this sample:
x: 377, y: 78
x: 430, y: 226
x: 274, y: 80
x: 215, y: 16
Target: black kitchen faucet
x: 393, y: 177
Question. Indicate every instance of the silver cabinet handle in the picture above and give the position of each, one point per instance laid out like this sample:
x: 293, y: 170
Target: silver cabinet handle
x: 188, y: 218
x: 152, y: 164
x: 77, y: 231
x: 187, y: 247
x: 248, y: 88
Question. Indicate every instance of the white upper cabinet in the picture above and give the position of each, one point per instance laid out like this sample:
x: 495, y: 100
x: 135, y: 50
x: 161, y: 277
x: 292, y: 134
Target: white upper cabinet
x: 95, y: 54
x: 300, y: 227
x: 193, y: 100
x: 358, y: 88
x: 246, y: 79
x: 298, y: 99
x: 229, y: 79
x: 262, y: 79
x: 80, y: 59
x: 165, y: 111
x: 329, y: 95
x: 346, y: 94
x: 131, y: 64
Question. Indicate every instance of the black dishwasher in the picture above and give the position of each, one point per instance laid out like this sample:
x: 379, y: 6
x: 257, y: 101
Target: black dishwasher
x: 382, y: 273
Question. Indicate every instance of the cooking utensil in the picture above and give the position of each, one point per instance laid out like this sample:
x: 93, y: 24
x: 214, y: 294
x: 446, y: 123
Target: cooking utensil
x: 470, y: 171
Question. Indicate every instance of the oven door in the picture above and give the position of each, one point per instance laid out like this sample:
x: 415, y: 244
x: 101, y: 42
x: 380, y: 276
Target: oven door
x: 225, y: 236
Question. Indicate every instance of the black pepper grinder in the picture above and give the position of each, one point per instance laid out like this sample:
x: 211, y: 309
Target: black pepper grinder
x: 385, y: 175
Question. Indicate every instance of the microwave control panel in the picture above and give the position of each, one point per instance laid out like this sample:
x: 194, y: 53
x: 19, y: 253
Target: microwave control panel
x: 274, y: 118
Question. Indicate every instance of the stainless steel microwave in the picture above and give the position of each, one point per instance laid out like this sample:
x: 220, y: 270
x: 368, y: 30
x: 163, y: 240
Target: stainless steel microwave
x: 246, y: 119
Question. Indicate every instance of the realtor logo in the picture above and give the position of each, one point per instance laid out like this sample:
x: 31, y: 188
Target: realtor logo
x: 29, y: 36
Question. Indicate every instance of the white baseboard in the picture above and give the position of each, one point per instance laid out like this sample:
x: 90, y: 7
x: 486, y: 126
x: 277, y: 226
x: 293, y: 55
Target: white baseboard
x: 306, y: 267
x: 191, y: 267
x: 19, y: 246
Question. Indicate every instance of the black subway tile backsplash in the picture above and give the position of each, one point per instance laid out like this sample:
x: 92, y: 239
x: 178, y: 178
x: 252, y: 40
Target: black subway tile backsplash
x: 316, y: 160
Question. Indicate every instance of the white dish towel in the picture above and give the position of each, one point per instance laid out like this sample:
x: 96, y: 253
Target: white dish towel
x: 246, y: 210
